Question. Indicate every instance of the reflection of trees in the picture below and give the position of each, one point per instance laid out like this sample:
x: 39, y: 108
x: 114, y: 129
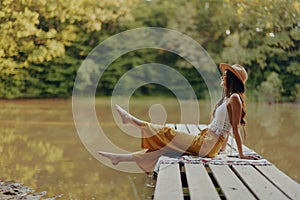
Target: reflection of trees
x: 28, y: 160
x: 268, y: 117
x: 21, y: 156
x: 273, y: 131
x: 45, y: 149
x: 49, y: 156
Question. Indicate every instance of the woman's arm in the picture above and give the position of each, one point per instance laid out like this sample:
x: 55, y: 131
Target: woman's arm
x: 235, y: 111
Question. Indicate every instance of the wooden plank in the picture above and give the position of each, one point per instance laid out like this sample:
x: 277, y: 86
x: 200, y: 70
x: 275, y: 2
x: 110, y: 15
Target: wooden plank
x: 170, y: 125
x: 234, y: 145
x: 193, y: 129
x: 182, y: 127
x: 230, y: 184
x: 199, y: 182
x: 168, y: 185
x: 202, y: 126
x: 243, y: 182
x: 281, y: 180
x: 260, y: 186
x: 227, y: 150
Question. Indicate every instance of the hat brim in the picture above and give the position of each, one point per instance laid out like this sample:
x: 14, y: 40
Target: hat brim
x: 223, y: 67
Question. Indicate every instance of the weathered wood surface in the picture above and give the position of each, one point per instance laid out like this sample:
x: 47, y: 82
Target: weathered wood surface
x: 169, y: 185
x: 199, y: 182
x: 223, y: 181
x: 231, y: 185
x: 281, y: 180
x: 258, y: 184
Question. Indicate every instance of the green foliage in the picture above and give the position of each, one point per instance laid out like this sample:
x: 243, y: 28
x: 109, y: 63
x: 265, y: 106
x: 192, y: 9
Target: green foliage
x: 137, y: 58
x: 265, y: 39
x: 270, y: 90
x: 42, y: 43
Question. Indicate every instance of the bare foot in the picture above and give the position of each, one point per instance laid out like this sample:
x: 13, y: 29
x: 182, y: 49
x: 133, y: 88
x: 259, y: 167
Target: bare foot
x: 126, y: 117
x: 115, y: 159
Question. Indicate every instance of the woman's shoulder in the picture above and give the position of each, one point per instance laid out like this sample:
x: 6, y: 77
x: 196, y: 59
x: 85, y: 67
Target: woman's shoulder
x: 235, y: 99
x: 234, y: 95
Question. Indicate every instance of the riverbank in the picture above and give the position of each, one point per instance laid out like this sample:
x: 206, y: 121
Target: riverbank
x: 12, y: 190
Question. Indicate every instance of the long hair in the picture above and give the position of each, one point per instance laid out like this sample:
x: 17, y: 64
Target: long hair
x: 234, y: 85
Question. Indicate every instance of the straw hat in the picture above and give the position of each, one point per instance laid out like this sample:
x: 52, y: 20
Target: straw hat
x: 236, y: 69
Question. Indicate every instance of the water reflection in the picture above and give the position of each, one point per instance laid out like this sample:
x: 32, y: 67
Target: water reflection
x: 40, y: 148
x: 274, y: 132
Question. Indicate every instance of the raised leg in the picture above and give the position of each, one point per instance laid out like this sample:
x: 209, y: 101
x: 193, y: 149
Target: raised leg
x: 116, y: 158
x: 128, y: 118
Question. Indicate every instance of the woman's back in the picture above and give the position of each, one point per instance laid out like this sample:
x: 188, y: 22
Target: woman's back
x: 220, y: 124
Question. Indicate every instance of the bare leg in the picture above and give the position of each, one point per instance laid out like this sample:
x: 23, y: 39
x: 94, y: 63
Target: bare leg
x: 116, y: 158
x: 128, y: 118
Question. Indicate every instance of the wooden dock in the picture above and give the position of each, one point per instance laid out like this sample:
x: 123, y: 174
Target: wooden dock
x: 178, y: 180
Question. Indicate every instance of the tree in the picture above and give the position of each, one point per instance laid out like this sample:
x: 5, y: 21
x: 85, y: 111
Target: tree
x: 42, y: 43
x: 34, y: 34
x: 265, y: 38
x: 270, y: 90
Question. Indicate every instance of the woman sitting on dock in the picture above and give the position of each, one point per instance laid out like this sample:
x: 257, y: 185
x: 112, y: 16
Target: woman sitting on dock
x: 159, y: 140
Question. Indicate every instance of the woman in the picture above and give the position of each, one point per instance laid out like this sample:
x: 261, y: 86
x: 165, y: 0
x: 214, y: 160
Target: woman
x: 159, y: 140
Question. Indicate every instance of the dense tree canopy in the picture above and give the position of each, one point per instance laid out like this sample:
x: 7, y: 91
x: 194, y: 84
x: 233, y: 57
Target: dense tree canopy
x: 43, y: 43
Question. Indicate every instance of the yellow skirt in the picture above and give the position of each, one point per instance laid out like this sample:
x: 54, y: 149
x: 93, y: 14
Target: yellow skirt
x: 158, y: 140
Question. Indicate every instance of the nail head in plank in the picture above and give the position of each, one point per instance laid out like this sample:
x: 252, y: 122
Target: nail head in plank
x: 181, y: 127
x: 260, y: 186
x: 199, y: 182
x: 168, y: 185
x: 232, y: 187
x: 281, y: 180
x: 193, y: 129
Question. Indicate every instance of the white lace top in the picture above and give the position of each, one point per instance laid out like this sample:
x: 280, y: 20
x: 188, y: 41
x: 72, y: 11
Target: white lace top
x: 220, y: 123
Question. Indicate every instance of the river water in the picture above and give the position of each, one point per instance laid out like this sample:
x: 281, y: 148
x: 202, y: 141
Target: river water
x: 40, y: 147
